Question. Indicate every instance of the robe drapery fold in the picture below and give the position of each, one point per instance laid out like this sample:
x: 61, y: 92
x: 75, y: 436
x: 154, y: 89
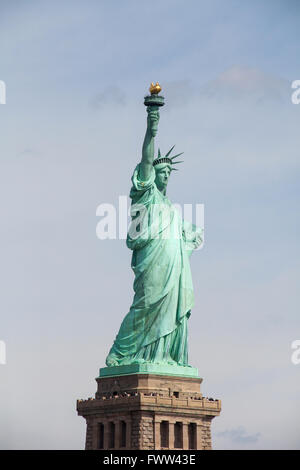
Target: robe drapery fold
x: 155, y: 328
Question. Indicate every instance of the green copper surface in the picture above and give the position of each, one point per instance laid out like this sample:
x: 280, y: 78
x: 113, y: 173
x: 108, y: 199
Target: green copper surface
x: 153, y: 335
x: 149, y: 368
x: 154, y: 100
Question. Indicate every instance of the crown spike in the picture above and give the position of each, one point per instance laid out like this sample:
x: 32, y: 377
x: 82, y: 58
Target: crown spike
x: 175, y: 163
x: 170, y: 151
x: 159, y: 155
x: 172, y: 158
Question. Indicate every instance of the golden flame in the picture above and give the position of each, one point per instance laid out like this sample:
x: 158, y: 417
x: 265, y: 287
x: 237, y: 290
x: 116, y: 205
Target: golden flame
x: 155, y: 89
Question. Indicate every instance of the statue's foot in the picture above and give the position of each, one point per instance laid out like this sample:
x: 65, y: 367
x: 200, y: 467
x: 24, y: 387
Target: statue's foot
x: 111, y: 362
x: 172, y: 363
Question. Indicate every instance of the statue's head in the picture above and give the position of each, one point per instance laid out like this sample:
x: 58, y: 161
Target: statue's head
x: 162, y: 173
x: 163, y: 167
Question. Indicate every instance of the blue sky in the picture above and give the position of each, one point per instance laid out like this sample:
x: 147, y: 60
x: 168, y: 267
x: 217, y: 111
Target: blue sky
x: 71, y: 135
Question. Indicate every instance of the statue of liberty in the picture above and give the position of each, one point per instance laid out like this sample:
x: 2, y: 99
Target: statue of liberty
x: 155, y: 329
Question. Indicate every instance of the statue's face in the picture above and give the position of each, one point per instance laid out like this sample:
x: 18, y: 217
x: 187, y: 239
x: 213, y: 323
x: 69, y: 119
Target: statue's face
x: 162, y: 171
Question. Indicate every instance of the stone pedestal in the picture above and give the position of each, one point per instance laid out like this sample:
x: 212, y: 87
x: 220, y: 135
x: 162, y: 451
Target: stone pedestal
x: 148, y: 411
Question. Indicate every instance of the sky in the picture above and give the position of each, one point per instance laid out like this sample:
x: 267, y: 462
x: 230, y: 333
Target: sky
x: 72, y: 131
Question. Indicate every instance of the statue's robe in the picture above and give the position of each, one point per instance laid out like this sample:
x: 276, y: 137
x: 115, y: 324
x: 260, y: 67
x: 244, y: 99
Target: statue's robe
x: 155, y: 329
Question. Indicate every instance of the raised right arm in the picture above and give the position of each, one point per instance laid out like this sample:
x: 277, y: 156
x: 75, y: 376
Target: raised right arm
x: 148, y: 145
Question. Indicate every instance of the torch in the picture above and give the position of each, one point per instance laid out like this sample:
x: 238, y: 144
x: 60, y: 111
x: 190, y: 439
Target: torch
x: 153, y: 102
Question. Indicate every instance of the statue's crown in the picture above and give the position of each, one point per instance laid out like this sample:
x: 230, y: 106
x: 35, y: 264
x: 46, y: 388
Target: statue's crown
x: 167, y: 159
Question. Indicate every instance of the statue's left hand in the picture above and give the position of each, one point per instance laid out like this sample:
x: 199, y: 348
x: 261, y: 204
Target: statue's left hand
x: 198, y: 240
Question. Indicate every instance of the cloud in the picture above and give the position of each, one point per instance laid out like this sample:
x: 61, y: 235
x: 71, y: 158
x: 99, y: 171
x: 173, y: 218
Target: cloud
x: 28, y: 152
x: 110, y: 96
x: 239, y: 436
x: 246, y: 83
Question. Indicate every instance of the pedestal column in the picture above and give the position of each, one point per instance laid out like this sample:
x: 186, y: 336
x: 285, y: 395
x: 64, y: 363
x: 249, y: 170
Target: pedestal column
x: 185, y: 436
x: 171, y: 434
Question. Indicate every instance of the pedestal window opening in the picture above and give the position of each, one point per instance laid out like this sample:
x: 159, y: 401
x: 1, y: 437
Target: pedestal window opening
x: 192, y: 432
x: 111, y: 435
x: 164, y: 434
x: 100, y: 436
x: 178, y: 437
x: 123, y: 434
